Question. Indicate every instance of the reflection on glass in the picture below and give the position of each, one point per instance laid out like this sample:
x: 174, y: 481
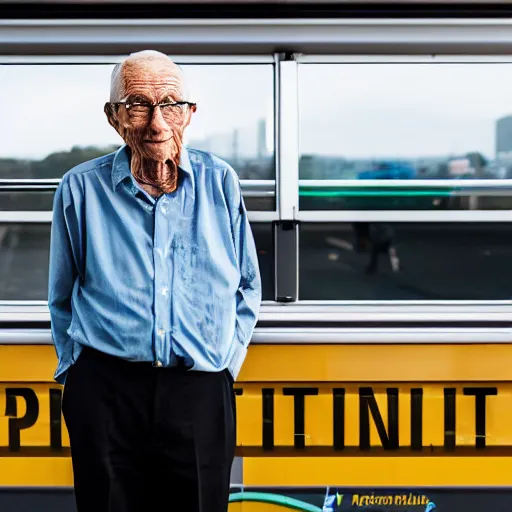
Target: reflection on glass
x: 234, y: 118
x: 405, y: 261
x: 401, y: 122
x: 457, y: 197
x: 24, y: 251
x: 38, y: 200
x: 24, y: 257
x: 26, y: 200
x: 260, y: 202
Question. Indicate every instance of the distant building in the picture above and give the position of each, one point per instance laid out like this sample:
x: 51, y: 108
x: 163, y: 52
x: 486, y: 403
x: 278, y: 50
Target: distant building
x: 504, y: 138
x: 244, y: 148
x: 239, y: 144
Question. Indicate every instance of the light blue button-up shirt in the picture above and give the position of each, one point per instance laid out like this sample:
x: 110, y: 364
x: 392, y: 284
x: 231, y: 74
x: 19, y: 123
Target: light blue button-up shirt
x: 149, y: 279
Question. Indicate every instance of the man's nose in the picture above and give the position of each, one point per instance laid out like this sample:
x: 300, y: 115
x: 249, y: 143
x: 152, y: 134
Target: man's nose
x: 158, y: 123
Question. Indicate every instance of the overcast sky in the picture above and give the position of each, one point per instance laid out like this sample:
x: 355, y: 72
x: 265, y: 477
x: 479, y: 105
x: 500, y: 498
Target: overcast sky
x: 367, y: 111
x: 53, y: 108
x: 403, y: 109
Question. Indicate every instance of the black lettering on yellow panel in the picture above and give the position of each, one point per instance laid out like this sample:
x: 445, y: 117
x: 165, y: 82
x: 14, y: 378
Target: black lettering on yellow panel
x: 449, y: 418
x: 16, y: 425
x: 338, y: 415
x: 299, y: 434
x: 56, y: 419
x: 367, y: 405
x: 268, y: 418
x: 416, y: 419
x: 480, y: 402
x: 339, y: 401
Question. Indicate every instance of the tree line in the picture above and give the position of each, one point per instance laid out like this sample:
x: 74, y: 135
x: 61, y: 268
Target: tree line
x: 55, y: 165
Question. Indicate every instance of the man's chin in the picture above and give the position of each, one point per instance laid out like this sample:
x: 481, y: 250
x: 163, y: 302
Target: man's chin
x: 157, y: 152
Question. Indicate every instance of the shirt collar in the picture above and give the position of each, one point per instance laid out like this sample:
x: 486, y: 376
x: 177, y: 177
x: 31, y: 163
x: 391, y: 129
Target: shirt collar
x: 121, y: 165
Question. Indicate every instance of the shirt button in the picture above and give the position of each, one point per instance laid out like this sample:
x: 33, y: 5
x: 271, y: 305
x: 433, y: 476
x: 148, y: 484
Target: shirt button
x: 164, y: 291
x: 164, y: 209
x: 161, y: 333
x: 158, y: 364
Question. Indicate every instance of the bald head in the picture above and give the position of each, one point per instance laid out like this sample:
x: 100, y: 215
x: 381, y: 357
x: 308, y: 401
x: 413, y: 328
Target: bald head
x: 137, y: 65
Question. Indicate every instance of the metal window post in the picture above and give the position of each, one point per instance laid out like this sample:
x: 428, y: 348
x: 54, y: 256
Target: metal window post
x: 286, y: 230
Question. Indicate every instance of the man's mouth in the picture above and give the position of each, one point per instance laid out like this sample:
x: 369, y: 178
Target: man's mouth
x: 156, y: 141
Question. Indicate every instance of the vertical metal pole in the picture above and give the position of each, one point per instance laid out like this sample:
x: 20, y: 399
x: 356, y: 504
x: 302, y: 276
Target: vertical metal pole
x: 286, y: 234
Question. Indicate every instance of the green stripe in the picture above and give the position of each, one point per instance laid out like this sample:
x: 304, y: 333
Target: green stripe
x: 380, y: 193
x: 275, y: 499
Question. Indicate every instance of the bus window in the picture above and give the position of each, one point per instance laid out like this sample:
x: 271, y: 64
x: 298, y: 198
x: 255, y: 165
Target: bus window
x: 405, y: 261
x: 444, y: 128
x: 68, y: 125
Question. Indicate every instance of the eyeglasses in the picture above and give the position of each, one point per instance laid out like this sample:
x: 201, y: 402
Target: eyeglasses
x: 142, y: 110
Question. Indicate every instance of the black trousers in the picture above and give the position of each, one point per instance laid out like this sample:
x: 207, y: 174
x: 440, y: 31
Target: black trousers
x: 145, y: 438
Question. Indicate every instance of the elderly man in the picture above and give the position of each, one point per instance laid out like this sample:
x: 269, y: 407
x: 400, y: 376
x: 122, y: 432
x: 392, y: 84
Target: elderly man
x: 154, y: 291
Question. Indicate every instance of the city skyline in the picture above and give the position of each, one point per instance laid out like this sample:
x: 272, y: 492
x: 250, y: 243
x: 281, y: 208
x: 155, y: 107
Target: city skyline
x: 348, y: 111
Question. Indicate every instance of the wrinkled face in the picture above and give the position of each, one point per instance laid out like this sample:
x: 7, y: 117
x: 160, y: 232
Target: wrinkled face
x: 158, y: 134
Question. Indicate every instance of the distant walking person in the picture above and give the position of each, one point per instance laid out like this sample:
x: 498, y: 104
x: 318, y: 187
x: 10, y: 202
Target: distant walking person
x: 376, y: 239
x: 154, y: 292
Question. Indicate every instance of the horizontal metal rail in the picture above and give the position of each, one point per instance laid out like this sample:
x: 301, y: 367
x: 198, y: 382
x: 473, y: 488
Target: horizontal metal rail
x: 403, y: 59
x: 44, y: 217
x: 458, y: 184
x: 308, y: 312
x: 182, y: 60
x: 256, y: 36
x: 322, y: 216
x: 53, y: 183
x: 320, y: 335
x: 329, y: 216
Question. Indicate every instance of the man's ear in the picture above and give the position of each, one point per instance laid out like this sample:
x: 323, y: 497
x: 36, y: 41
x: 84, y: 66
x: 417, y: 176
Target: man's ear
x: 190, y: 112
x: 111, y: 115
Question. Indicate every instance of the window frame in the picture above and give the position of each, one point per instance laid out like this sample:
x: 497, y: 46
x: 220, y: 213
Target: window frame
x: 250, y: 188
x: 390, y: 310
x: 406, y: 215
x: 303, y: 40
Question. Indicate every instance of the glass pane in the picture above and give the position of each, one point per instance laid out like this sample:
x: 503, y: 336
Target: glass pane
x: 259, y: 198
x: 405, y: 261
x: 404, y: 121
x: 24, y: 256
x: 27, y: 200
x: 76, y: 129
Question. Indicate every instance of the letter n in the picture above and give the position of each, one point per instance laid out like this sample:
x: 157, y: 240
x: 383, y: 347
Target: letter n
x: 367, y: 405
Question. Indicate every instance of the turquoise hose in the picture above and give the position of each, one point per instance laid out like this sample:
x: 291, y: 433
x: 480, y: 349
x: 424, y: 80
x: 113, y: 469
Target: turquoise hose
x: 275, y: 499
